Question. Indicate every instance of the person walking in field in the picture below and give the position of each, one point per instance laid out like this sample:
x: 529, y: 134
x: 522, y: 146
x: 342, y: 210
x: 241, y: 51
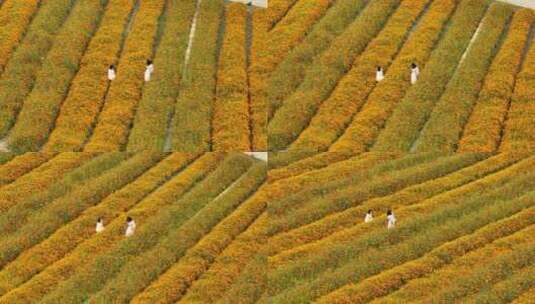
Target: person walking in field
x: 100, y: 225
x: 149, y: 69
x: 130, y: 227
x: 111, y: 72
x: 369, y: 216
x: 379, y: 74
x: 390, y: 219
x: 415, y: 72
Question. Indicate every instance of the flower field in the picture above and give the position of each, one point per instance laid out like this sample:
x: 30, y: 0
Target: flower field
x: 195, y: 213
x: 473, y: 93
x: 55, y: 96
x: 464, y: 231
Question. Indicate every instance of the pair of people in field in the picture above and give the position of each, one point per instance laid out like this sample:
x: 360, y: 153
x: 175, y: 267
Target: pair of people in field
x: 130, y: 226
x: 149, y: 68
x: 390, y: 218
x: 415, y: 72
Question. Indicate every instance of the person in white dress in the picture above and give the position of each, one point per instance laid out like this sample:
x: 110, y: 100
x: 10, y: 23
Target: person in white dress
x: 100, y: 225
x: 149, y: 69
x: 390, y: 219
x: 130, y: 227
x: 379, y: 74
x: 415, y: 73
x: 111, y: 72
x: 369, y: 216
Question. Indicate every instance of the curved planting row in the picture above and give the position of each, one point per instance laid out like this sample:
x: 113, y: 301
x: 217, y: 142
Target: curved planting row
x: 113, y: 122
x: 323, y: 75
x: 149, y: 130
x: 395, y: 45
x: 53, y: 79
x: 20, y: 72
x: 356, y: 259
x: 14, y: 18
x: 482, y: 132
x: 89, y: 86
x: 185, y: 206
x: 231, y: 122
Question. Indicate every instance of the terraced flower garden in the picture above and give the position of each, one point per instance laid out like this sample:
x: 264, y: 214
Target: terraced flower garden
x: 200, y: 220
x: 474, y: 94
x: 55, y: 95
x: 464, y: 231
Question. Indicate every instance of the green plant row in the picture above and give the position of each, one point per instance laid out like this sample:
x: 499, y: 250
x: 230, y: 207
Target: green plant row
x: 17, y: 215
x: 20, y: 165
x: 39, y: 178
x: 129, y: 281
x: 326, y: 71
x: 93, y: 276
x: 289, y: 73
x: 191, y: 127
x: 455, y: 105
x: 66, y: 238
x: 149, y: 130
x: 420, y: 288
x: 52, y: 82
x: 295, y: 192
x: 381, y: 101
x: 385, y: 282
x: 394, y: 47
x: 482, y: 131
x: 173, y: 284
x: 47, y: 280
x: 14, y: 19
x: 462, y: 182
x: 89, y: 86
x: 426, y: 233
x: 19, y: 74
x: 113, y: 122
x: 380, y: 186
x: 403, y: 125
x: 63, y: 210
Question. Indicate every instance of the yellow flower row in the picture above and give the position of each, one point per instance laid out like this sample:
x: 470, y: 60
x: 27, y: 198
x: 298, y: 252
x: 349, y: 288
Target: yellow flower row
x: 454, y: 106
x: 88, y: 88
x: 392, y: 279
x: 14, y: 18
x: 228, y: 266
x: 149, y: 130
x: 113, y: 123
x: 39, y: 178
x: 355, y: 260
x: 68, y: 207
x: 518, y: 134
x: 292, y: 116
x: 299, y: 242
x: 20, y: 72
x: 47, y: 280
x: 405, y: 121
x: 465, y: 265
x: 91, y: 278
x: 482, y: 131
x: 406, y: 173
x: 257, y: 80
x: 177, y: 247
x: 230, y: 122
x: 191, y: 129
x: 51, y: 85
x: 366, y: 124
x: 20, y: 165
x: 290, y: 72
x: 69, y: 236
